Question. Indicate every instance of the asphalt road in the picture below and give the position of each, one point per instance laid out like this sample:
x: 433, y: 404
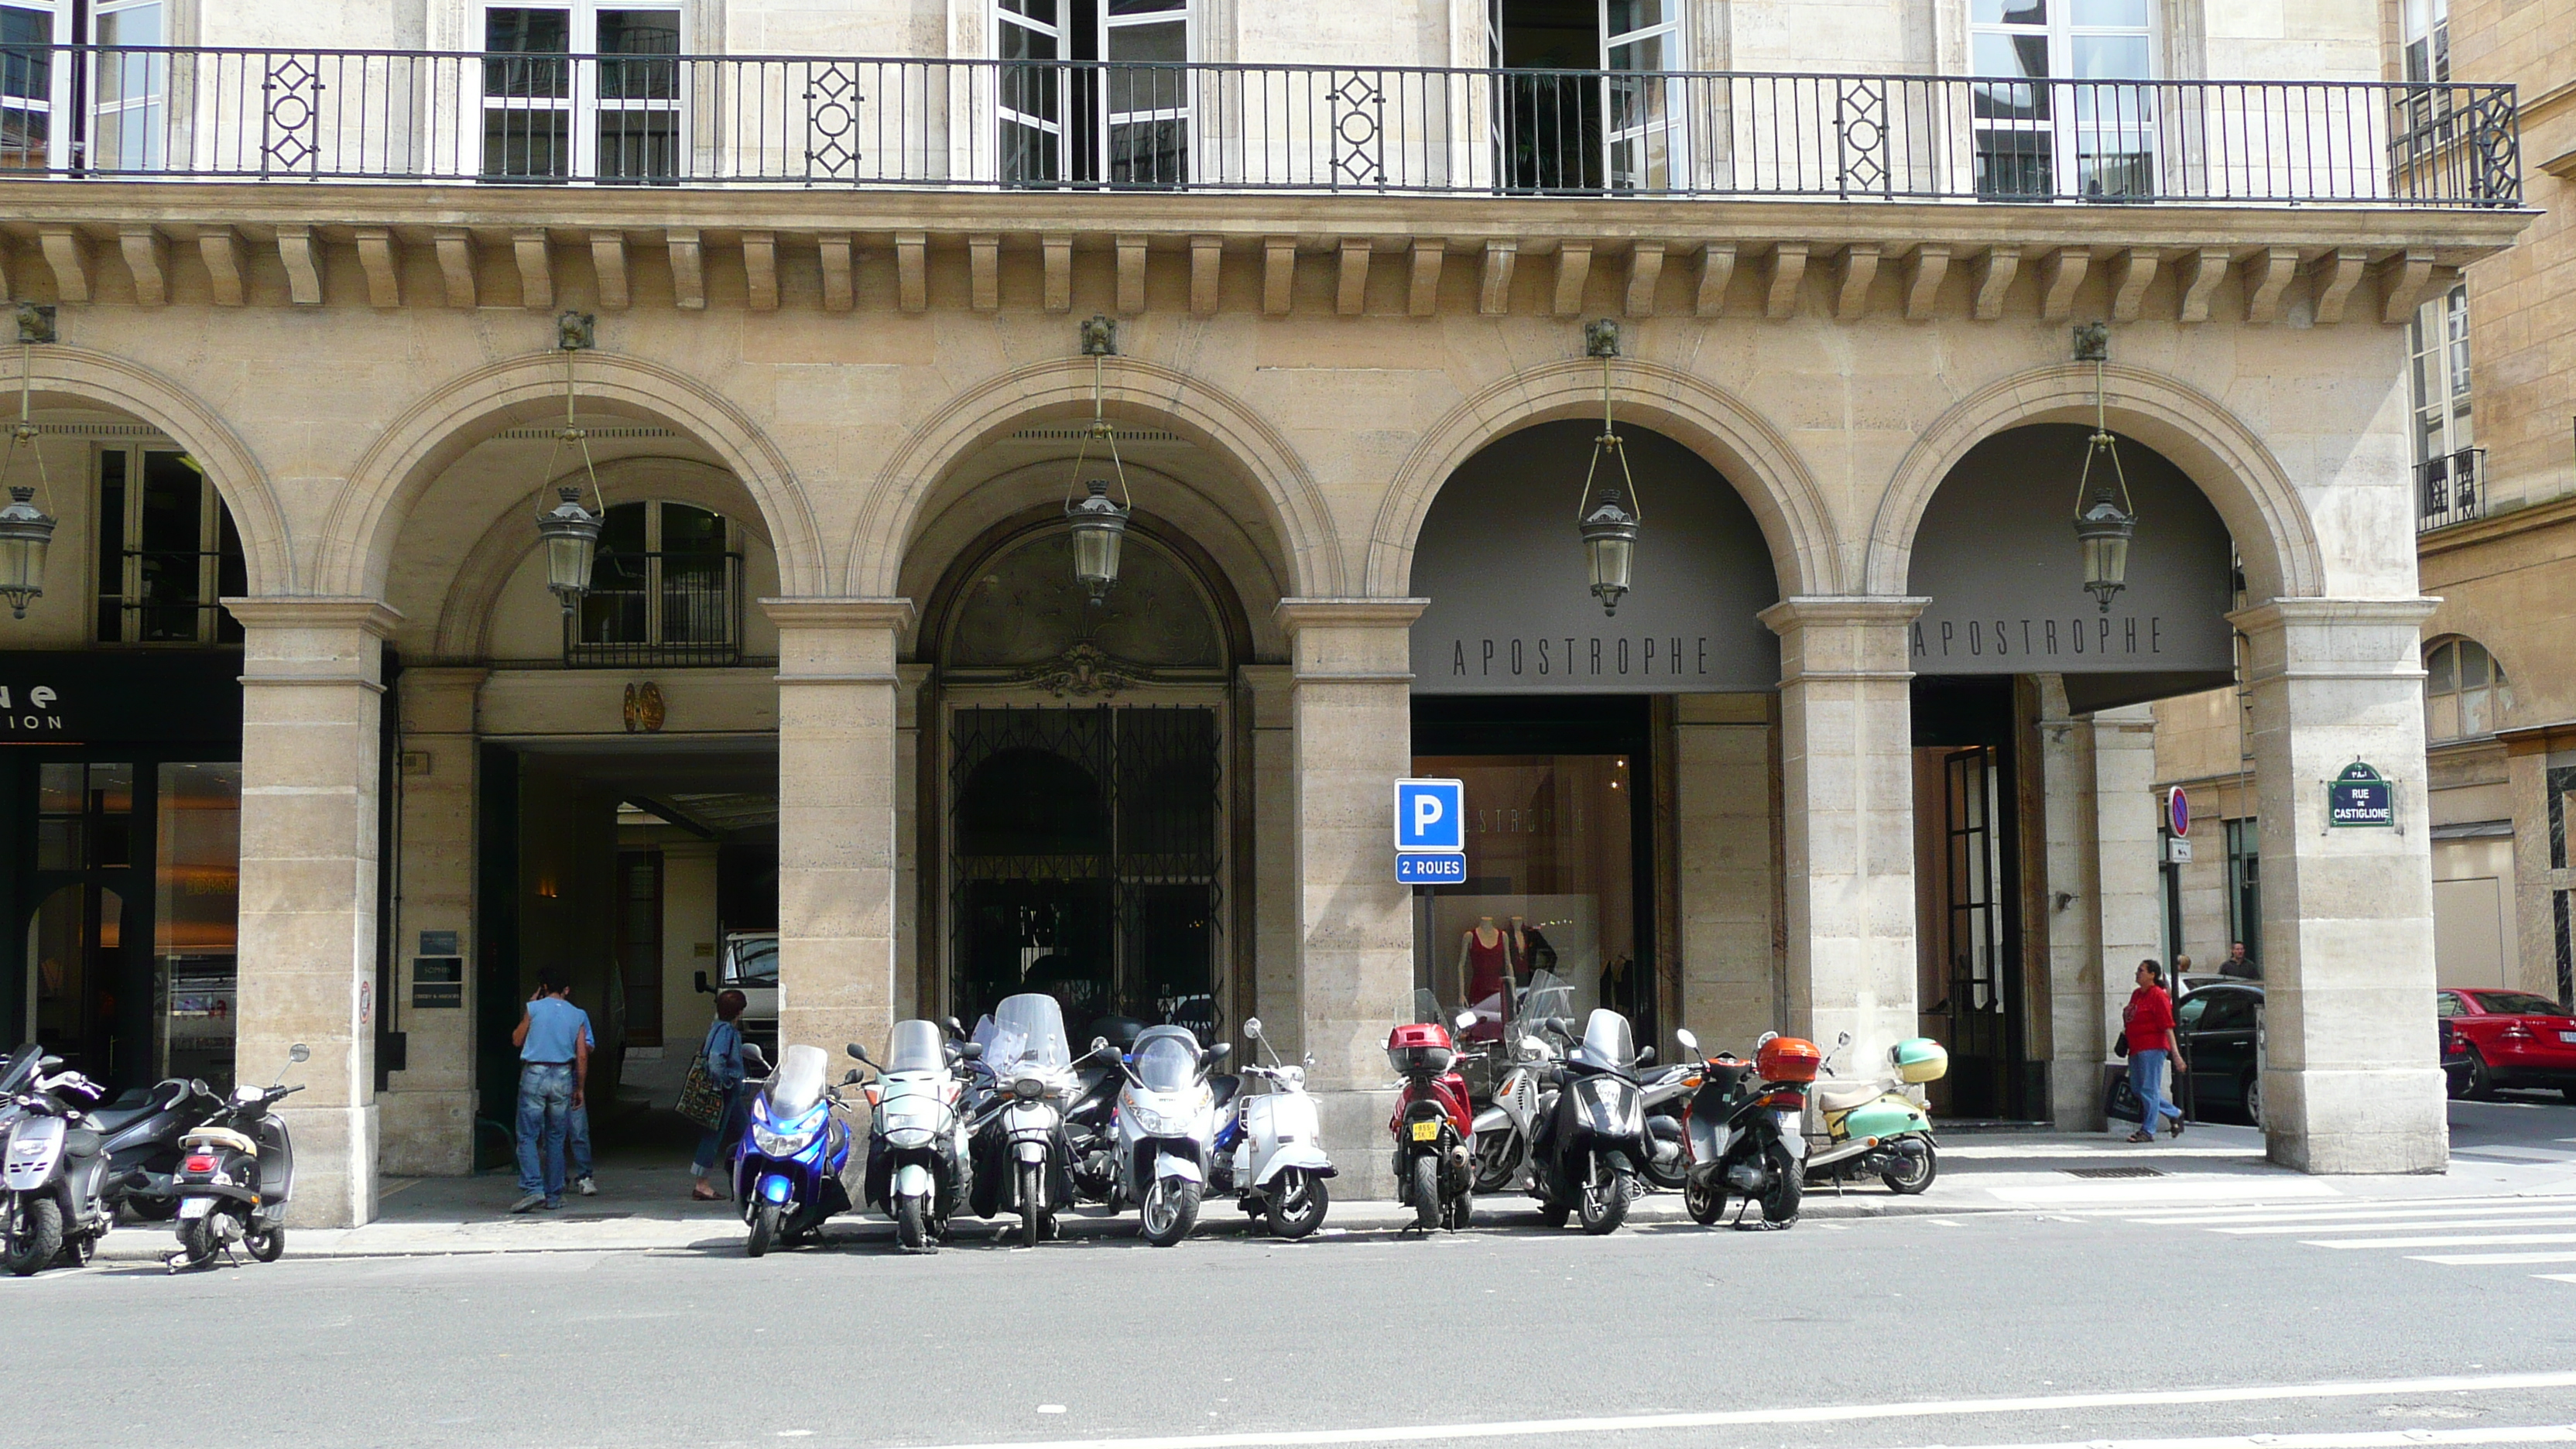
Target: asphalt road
x: 2065, y: 1327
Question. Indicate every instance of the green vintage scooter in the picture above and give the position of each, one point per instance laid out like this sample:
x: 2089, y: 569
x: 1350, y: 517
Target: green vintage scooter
x: 1879, y: 1128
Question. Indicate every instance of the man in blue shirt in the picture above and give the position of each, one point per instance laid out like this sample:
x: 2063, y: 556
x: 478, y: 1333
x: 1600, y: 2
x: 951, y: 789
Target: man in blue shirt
x: 553, y: 1038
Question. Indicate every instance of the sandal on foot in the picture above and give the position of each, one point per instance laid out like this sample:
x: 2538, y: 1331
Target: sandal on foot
x: 2142, y: 1137
x: 700, y: 1192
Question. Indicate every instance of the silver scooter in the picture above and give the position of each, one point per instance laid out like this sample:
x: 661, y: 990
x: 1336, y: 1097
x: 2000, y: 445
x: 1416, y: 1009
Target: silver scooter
x: 53, y: 1173
x: 1167, y: 1118
x: 1270, y: 1152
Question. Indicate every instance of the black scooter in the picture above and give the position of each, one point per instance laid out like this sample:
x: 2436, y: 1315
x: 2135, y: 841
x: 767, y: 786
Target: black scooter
x: 1591, y: 1140
x: 236, y: 1176
x: 143, y: 1143
x: 1747, y: 1137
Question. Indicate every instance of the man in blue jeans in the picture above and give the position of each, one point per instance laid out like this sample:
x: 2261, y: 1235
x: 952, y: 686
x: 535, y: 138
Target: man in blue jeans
x: 553, y: 1038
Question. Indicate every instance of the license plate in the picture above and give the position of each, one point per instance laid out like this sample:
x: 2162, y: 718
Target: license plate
x: 195, y: 1207
x: 1426, y: 1131
x: 2567, y: 1036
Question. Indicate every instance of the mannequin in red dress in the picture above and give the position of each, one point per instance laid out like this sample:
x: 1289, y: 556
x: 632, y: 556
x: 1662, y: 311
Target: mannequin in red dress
x: 1485, y: 965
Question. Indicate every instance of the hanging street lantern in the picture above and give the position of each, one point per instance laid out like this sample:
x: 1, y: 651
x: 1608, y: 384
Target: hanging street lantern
x: 26, y: 531
x: 1097, y: 521
x: 2105, y: 518
x: 569, y: 531
x: 1609, y: 528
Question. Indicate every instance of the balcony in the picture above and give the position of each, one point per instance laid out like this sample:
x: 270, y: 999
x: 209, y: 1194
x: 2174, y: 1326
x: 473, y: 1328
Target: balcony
x: 519, y: 119
x: 2451, y: 489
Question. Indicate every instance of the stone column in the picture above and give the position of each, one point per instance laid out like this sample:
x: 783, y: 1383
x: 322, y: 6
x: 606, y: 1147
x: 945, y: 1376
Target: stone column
x: 1268, y: 692
x: 1722, y: 835
x: 2350, y: 1079
x: 428, y: 1108
x: 2077, y: 1047
x: 1351, y: 704
x: 837, y: 849
x: 1847, y: 787
x: 311, y: 700
x: 2127, y: 842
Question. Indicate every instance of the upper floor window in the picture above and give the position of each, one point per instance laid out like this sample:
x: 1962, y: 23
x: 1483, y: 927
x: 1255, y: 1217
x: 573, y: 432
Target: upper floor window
x: 581, y: 90
x: 666, y: 589
x: 2465, y: 693
x: 2041, y: 135
x: 167, y: 551
x: 2438, y: 342
x: 1623, y: 129
x: 104, y: 110
x: 1125, y: 122
x: 2428, y: 40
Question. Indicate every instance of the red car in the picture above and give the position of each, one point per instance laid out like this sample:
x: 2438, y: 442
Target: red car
x: 2510, y: 1039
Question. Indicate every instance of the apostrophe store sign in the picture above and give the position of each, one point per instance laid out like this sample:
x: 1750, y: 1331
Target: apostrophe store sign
x: 95, y: 697
x: 32, y: 711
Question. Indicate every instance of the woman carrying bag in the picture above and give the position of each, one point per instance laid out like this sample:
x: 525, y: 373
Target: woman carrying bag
x: 2150, y: 1040
x: 712, y: 1096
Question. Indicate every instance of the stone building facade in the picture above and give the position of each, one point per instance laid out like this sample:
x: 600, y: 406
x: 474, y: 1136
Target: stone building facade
x: 1859, y: 754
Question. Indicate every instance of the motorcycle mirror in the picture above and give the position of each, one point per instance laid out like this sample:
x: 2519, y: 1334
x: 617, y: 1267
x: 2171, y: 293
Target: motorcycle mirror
x: 1465, y: 1020
x: 1645, y: 1056
x: 703, y: 988
x: 1843, y: 1040
x: 1310, y: 1059
x: 1683, y: 1035
x: 1765, y: 1040
x: 1099, y: 1044
x: 1252, y: 1027
x: 970, y: 1051
x: 1216, y: 1055
x: 299, y: 1053
x: 857, y: 1053
x: 954, y: 1029
x: 852, y: 1079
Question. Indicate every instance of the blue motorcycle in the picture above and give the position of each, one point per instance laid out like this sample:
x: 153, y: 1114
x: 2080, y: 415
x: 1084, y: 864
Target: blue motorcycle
x: 787, y: 1169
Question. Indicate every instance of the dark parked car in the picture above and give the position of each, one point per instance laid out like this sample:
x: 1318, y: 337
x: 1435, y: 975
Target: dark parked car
x: 2218, y: 1026
x: 2510, y: 1039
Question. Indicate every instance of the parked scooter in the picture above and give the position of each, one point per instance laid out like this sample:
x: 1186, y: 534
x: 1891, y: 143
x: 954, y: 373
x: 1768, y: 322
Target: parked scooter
x: 1434, y: 1123
x: 918, y: 1163
x: 1525, y: 1064
x: 144, y: 1143
x: 236, y: 1176
x: 1877, y: 1128
x: 1167, y: 1116
x: 1024, y: 1157
x: 1587, y: 1149
x: 1745, y: 1130
x: 1270, y: 1150
x: 1666, y: 1092
x: 53, y: 1173
x: 787, y: 1172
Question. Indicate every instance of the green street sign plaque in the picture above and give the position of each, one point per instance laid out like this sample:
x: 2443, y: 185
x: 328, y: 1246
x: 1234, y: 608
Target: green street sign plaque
x: 2360, y: 796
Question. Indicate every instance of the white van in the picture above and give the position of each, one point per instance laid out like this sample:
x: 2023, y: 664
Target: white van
x: 747, y: 961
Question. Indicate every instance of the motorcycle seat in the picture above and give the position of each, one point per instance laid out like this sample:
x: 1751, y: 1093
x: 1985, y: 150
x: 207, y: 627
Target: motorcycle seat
x: 1224, y: 1086
x: 117, y: 1119
x: 1843, y: 1099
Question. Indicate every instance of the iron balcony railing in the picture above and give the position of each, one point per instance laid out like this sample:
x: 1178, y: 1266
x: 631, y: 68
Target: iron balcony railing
x: 814, y: 121
x: 658, y: 608
x: 2450, y: 489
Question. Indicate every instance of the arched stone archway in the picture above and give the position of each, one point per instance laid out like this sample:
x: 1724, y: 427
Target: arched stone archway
x: 1717, y: 425
x: 2225, y: 457
x: 443, y: 425
x: 1249, y: 448
x: 96, y: 378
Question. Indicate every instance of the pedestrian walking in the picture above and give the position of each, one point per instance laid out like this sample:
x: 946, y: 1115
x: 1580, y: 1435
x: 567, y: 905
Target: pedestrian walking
x: 577, y: 1130
x: 2239, y: 966
x: 722, y: 1053
x: 553, y: 1038
x: 2149, y: 1021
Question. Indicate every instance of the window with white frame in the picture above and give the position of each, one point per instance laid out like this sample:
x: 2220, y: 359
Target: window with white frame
x: 582, y: 91
x: 167, y: 550
x: 2465, y: 693
x: 1120, y: 116
x: 2078, y: 118
x: 103, y: 110
x: 2438, y: 379
x: 2428, y: 40
x: 1558, y: 126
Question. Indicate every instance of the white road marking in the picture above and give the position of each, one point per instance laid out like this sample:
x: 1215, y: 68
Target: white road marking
x: 2357, y: 1439
x: 2329, y: 1211
x: 1844, y: 1413
x: 2400, y: 1225
x: 2461, y: 1258
x: 2449, y: 1241
x: 2533, y: 1154
x: 2208, y: 1190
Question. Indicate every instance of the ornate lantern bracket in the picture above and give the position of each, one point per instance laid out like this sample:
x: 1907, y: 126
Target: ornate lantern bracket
x: 26, y: 530
x: 2105, y: 516
x: 570, y: 531
x: 1097, y: 521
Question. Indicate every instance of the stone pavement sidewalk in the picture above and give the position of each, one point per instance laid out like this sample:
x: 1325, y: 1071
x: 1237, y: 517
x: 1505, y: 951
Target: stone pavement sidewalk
x: 1982, y: 1171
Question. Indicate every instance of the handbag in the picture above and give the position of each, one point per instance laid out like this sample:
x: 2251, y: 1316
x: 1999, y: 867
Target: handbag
x: 701, y: 1100
x: 2122, y: 1101
x: 2120, y: 1048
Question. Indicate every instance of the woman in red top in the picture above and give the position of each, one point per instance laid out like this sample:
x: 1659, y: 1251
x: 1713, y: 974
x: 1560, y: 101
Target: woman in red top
x: 2150, y: 1023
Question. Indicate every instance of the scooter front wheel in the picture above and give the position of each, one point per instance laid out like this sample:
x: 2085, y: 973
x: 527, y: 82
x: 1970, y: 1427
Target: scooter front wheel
x: 1704, y: 1198
x: 1917, y: 1163
x: 911, y: 1228
x: 1297, y: 1204
x: 1604, y: 1205
x: 34, y: 1237
x: 1032, y: 1216
x: 267, y: 1247
x: 1497, y: 1158
x: 764, y: 1229
x: 1170, y: 1210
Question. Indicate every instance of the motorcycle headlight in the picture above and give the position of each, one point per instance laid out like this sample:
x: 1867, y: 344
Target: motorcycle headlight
x: 786, y: 1139
x: 1153, y: 1123
x: 908, y: 1136
x: 1028, y: 1088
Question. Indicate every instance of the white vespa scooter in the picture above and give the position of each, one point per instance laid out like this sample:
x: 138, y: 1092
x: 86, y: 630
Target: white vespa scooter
x: 1167, y: 1120
x: 1270, y: 1152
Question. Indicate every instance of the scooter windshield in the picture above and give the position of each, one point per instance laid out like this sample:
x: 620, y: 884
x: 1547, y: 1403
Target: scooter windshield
x: 1548, y: 996
x: 1027, y: 1030
x: 1607, y: 1042
x: 799, y: 1083
x: 1167, y: 1059
x: 1426, y: 1007
x: 915, y: 1046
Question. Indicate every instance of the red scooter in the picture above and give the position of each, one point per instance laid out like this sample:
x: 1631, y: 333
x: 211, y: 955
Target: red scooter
x: 1434, y: 1124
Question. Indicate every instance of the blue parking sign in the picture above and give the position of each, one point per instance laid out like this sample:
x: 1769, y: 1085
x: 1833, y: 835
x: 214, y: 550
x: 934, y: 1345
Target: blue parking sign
x: 1431, y: 816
